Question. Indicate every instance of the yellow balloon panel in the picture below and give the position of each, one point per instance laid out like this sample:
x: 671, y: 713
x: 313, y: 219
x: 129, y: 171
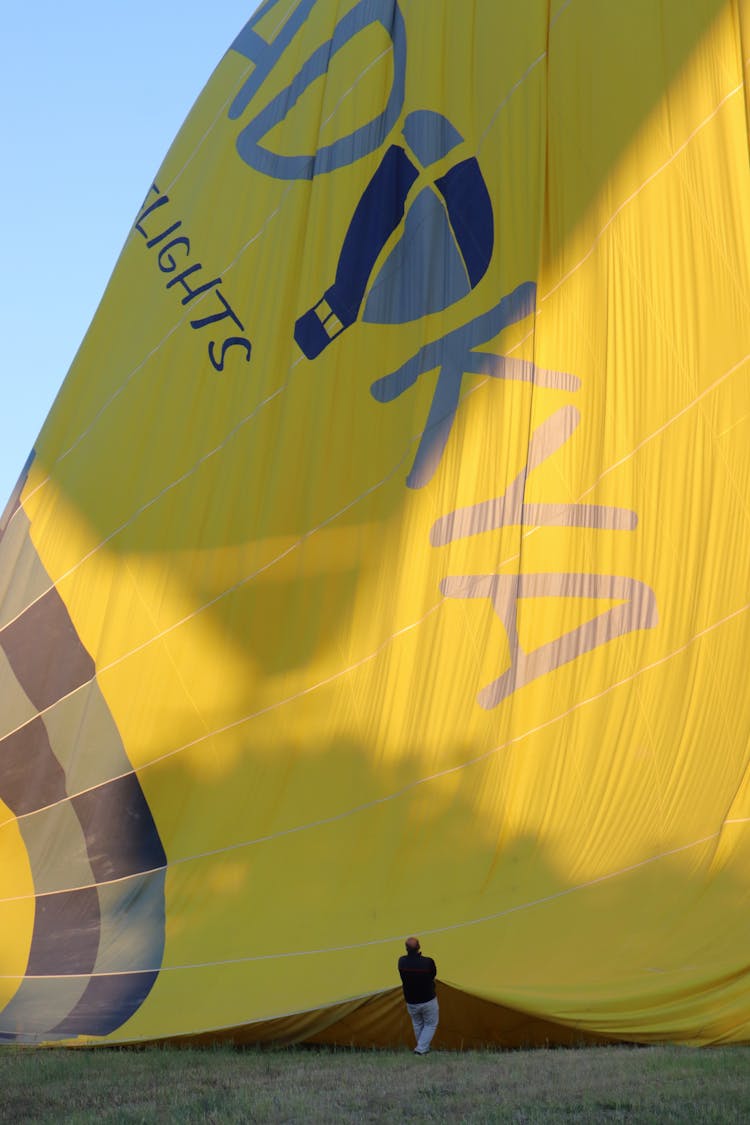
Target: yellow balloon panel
x: 382, y: 565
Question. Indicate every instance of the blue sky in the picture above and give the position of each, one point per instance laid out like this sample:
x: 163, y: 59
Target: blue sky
x: 92, y: 94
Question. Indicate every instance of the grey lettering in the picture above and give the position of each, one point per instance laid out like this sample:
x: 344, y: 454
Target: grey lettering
x: 637, y: 610
x: 511, y: 510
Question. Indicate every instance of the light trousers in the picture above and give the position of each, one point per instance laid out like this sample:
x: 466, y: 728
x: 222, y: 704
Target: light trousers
x: 424, y: 1018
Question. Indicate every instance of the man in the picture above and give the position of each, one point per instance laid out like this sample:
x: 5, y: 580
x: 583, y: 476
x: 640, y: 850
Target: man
x: 418, y: 979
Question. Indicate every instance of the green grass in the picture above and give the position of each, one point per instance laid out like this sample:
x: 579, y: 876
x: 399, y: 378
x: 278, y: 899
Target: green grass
x: 595, y: 1084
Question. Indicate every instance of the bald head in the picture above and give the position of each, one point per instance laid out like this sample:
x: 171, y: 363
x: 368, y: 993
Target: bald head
x: 412, y: 945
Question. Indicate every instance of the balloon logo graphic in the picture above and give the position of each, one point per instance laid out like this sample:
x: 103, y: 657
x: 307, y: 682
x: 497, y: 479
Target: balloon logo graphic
x: 451, y: 222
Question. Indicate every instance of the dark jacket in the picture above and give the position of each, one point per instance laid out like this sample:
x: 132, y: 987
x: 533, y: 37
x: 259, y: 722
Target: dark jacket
x: 418, y: 977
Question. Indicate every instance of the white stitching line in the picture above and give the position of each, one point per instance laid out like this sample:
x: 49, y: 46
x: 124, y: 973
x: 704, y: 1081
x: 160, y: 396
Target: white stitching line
x: 531, y: 67
x: 675, y: 417
x: 282, y: 21
x: 637, y: 192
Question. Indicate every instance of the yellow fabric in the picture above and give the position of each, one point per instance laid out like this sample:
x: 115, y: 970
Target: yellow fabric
x: 301, y: 669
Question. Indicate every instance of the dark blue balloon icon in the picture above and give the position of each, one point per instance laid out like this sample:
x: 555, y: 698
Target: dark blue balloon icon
x: 444, y: 249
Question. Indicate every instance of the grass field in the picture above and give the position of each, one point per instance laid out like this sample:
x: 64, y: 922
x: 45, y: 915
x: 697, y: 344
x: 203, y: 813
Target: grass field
x: 594, y: 1084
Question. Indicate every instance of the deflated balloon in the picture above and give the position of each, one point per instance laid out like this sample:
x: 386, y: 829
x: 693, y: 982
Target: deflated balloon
x: 383, y: 565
